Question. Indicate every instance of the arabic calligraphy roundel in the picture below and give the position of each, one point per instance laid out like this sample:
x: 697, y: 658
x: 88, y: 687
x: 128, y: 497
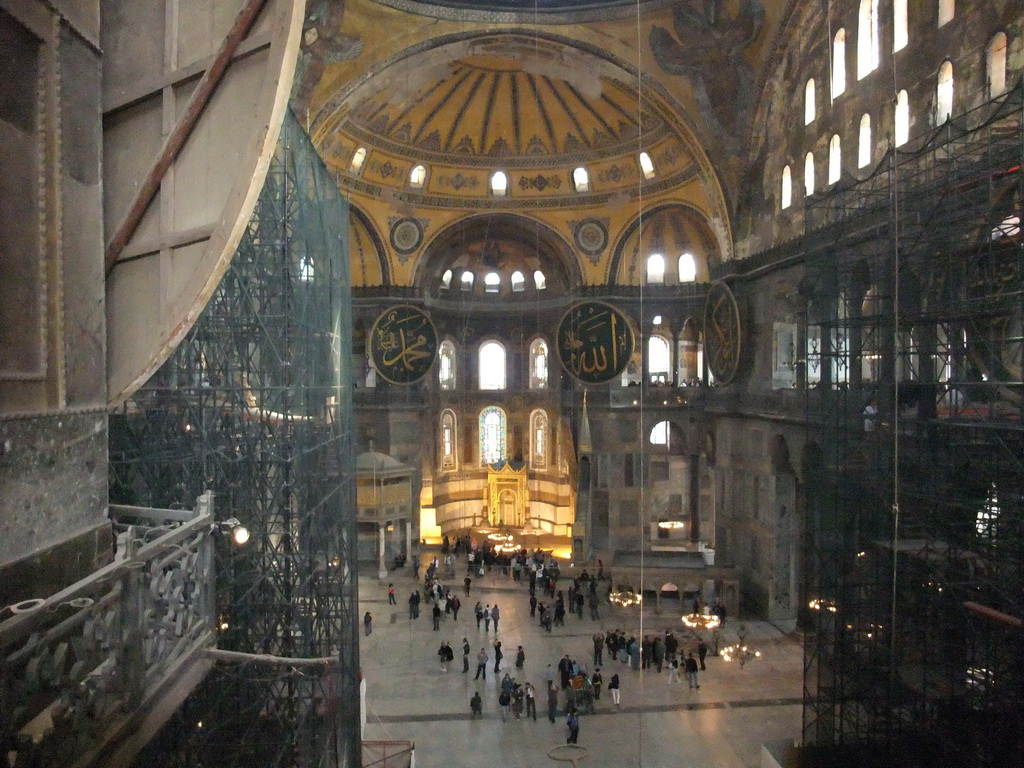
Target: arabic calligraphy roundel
x: 595, y: 342
x: 403, y: 344
x: 723, y: 335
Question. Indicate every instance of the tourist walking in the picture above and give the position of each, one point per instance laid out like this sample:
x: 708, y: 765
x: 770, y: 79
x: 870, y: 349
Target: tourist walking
x: 495, y: 616
x: 596, y: 681
x: 481, y: 665
x: 436, y: 613
x: 498, y: 656
x: 391, y: 595
x: 598, y: 649
x: 613, y: 687
x: 691, y: 671
x: 702, y: 652
x: 552, y: 701
x: 573, y: 721
x: 673, y: 672
x: 476, y: 705
x: 465, y: 655
x: 367, y: 623
x: 531, y: 701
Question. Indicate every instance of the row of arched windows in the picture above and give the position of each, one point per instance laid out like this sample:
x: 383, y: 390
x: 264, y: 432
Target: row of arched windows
x: 996, y: 77
x: 686, y: 267
x: 493, y: 438
x: 493, y: 281
x: 491, y: 357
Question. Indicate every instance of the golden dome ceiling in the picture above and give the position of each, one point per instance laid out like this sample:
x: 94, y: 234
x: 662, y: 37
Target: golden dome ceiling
x: 533, y: 108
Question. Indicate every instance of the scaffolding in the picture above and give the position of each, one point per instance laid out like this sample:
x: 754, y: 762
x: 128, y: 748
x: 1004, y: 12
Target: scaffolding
x: 915, y: 534
x: 255, y: 404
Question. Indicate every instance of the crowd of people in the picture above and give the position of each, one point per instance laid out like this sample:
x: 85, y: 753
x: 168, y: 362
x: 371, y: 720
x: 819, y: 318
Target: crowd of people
x: 571, y: 686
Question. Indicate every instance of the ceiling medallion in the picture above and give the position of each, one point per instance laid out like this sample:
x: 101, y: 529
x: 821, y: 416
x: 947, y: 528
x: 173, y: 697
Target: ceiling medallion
x: 723, y: 337
x: 591, y: 236
x: 406, y: 235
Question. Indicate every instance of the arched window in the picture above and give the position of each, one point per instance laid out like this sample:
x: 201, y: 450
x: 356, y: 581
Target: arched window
x: 492, y: 365
x: 841, y: 342
x: 900, y: 37
x: 539, y: 440
x: 660, y: 434
x: 446, y: 364
x: 864, y: 145
x: 835, y: 159
x: 867, y: 38
x: 492, y: 282
x: 944, y: 93
x: 902, y: 121
x: 499, y: 184
x: 448, y: 436
x: 446, y: 279
x: 581, y: 179
x: 947, y: 10
x: 656, y: 269
x: 838, y: 63
x: 467, y: 280
x: 997, y: 65
x: 646, y: 166
x: 418, y: 177
x: 787, y: 189
x: 809, y: 109
x: 539, y: 280
x: 538, y: 364
x: 687, y: 268
x: 659, y: 360
x: 492, y: 435
x: 809, y: 175
x: 518, y: 282
x: 358, y: 158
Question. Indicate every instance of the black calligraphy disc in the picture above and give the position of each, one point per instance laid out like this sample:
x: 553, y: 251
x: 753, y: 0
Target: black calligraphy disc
x: 403, y: 344
x: 595, y: 342
x: 723, y: 337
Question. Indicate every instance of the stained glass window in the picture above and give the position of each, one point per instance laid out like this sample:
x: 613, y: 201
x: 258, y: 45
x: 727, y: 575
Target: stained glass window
x: 492, y: 435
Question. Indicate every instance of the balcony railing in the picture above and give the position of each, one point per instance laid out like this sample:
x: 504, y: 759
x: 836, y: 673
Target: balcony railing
x: 79, y: 669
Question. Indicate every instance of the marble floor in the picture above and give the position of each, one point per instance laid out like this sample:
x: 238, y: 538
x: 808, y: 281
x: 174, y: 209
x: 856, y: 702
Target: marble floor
x: 657, y: 725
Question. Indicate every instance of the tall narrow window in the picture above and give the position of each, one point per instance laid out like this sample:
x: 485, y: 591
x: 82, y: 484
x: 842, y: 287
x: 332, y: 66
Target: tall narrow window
x: 539, y: 281
x: 841, y: 343
x: 809, y: 174
x: 581, y: 179
x: 467, y: 281
x: 492, y: 435
x: 655, y: 269
x: 787, y: 188
x: 492, y: 365
x: 446, y: 279
x: 835, y: 159
x: 944, y: 93
x: 867, y: 38
x: 538, y: 364
x: 900, y: 37
x: 902, y: 121
x: 659, y: 360
x: 446, y: 367
x: 492, y: 282
x: 687, y: 268
x: 448, y: 436
x: 947, y: 10
x: 418, y: 177
x: 539, y: 440
x: 997, y: 65
x: 660, y: 433
x: 518, y: 282
x: 809, y: 107
x: 358, y: 158
x: 838, y: 63
x: 864, y: 145
x: 646, y: 166
x: 499, y: 184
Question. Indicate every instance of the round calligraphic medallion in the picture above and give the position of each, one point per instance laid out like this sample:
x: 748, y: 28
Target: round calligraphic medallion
x: 591, y: 237
x: 723, y: 336
x: 406, y: 236
x: 403, y: 344
x: 595, y: 342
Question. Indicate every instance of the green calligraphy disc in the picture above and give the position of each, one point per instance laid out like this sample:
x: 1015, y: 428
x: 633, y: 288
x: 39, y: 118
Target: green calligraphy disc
x: 403, y: 344
x: 595, y: 342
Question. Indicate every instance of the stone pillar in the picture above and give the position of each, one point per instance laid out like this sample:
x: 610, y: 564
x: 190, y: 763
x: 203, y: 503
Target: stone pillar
x: 382, y: 570
x: 408, y: 538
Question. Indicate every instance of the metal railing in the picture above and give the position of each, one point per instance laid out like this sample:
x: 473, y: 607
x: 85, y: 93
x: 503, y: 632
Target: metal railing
x: 79, y: 668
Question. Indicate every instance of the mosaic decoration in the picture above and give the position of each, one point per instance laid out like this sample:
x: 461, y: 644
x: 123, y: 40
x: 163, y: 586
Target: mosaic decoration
x: 406, y: 235
x: 591, y: 236
x: 403, y: 344
x: 540, y: 182
x: 595, y: 342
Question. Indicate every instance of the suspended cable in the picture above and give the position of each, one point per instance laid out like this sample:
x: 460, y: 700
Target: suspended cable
x: 643, y: 384
x: 893, y: 180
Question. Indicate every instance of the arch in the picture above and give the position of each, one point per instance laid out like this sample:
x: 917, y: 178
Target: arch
x: 447, y: 372
x: 540, y: 440
x: 540, y: 363
x: 491, y: 359
x: 995, y: 60
x: 838, y: 63
x: 659, y: 359
x: 368, y: 263
x: 655, y: 273
x: 493, y: 435
x: 867, y: 38
x: 864, y: 141
x: 669, y: 437
x: 509, y: 242
x: 835, y: 159
x: 810, y: 108
x: 689, y: 354
x: 900, y: 33
x: 449, y: 441
x: 669, y: 229
x: 944, y: 93
x: 787, y: 188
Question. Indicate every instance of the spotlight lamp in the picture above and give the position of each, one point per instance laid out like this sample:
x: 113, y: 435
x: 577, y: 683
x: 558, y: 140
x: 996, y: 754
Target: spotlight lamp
x: 233, y: 526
